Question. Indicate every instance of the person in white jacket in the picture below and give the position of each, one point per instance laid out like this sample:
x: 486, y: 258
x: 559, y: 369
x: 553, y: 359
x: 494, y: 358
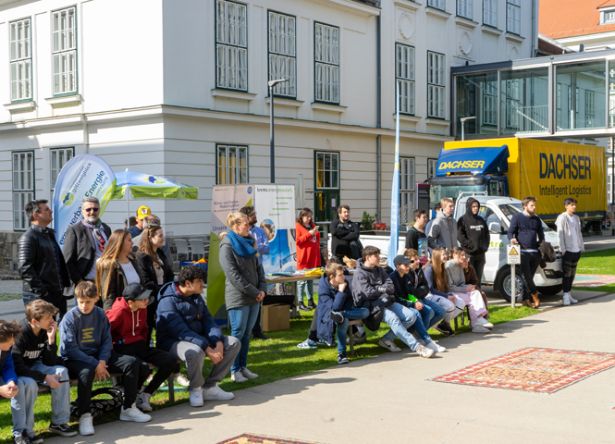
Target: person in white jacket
x: 571, y: 245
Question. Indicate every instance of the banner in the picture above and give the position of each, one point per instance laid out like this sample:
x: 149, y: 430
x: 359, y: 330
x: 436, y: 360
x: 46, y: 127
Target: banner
x: 394, y: 238
x: 83, y: 176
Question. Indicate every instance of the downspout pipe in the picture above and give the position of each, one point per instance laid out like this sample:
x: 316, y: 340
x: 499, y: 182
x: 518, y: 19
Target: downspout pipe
x: 378, y: 120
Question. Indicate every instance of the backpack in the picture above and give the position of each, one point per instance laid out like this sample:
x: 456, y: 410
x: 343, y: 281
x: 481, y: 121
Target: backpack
x: 104, y: 400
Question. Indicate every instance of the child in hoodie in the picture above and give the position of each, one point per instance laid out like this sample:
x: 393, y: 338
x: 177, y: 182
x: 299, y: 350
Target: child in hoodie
x: 129, y: 331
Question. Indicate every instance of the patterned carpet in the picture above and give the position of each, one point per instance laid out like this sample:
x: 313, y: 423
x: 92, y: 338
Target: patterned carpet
x: 248, y: 438
x: 543, y: 370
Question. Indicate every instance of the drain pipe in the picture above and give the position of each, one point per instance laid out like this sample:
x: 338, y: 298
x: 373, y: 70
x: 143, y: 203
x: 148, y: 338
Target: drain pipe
x: 378, y: 121
x: 534, y: 42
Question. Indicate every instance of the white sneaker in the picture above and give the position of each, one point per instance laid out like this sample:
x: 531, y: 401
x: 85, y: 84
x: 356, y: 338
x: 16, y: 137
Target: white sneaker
x: 566, y: 299
x: 572, y: 300
x: 238, y: 377
x: 480, y: 329
x: 181, y: 380
x: 483, y: 323
x: 436, y: 347
x: 389, y: 345
x: 86, y: 427
x: 248, y: 374
x: 143, y: 402
x: 196, y: 398
x: 424, y: 352
x: 488, y: 324
x: 215, y: 393
x: 133, y: 414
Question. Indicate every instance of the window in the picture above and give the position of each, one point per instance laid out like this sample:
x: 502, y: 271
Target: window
x: 326, y: 63
x: 431, y: 167
x: 513, y: 16
x: 404, y: 75
x: 435, y: 85
x: 283, y: 53
x: 23, y: 186
x: 20, y: 43
x: 231, y: 45
x: 64, y: 50
x: 590, y: 107
x: 58, y: 158
x: 438, y: 4
x: 464, y: 8
x: 407, y: 189
x: 489, y: 114
x: 490, y: 13
x: 607, y: 16
x: 512, y: 103
x: 231, y: 164
x: 326, y: 184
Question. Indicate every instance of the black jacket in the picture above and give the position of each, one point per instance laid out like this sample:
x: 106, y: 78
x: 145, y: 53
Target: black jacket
x: 79, y: 252
x: 117, y: 282
x: 30, y: 348
x: 472, y: 231
x: 41, y: 274
x: 369, y: 284
x: 345, y: 239
x: 148, y: 273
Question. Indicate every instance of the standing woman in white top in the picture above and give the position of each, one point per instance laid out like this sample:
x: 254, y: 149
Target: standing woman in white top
x: 116, y: 268
x: 571, y: 245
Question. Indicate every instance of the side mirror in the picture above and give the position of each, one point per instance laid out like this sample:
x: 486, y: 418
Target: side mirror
x: 495, y: 227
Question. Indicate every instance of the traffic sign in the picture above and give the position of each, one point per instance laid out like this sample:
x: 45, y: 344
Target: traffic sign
x: 513, y: 254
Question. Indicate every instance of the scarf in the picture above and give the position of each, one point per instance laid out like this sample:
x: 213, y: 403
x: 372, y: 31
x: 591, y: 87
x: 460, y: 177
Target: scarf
x: 100, y: 238
x: 242, y: 246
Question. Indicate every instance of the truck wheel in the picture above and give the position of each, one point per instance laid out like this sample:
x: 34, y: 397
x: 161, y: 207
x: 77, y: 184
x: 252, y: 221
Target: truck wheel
x: 550, y: 291
x: 503, y: 281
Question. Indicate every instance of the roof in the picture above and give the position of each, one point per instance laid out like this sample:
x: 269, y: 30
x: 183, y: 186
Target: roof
x: 568, y: 18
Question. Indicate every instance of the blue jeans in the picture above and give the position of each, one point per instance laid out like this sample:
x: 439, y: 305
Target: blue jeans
x: 400, y: 318
x: 305, y: 288
x: 353, y: 313
x: 438, y: 313
x: 242, y: 320
x: 427, y: 314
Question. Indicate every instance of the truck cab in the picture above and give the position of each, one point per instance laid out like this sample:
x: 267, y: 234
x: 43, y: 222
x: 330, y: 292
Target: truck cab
x: 498, y: 212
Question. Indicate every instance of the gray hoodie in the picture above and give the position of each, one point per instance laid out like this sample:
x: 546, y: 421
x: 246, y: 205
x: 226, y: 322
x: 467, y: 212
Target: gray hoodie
x: 443, y: 232
x: 455, y: 277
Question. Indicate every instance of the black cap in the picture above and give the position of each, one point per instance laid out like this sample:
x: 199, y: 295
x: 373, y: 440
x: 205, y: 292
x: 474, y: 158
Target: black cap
x: 401, y: 259
x: 136, y: 292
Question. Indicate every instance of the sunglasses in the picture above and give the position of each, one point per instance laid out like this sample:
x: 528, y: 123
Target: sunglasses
x: 91, y: 210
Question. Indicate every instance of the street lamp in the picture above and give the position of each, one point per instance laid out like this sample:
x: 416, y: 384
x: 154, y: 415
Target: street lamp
x: 271, y: 84
x: 463, y: 121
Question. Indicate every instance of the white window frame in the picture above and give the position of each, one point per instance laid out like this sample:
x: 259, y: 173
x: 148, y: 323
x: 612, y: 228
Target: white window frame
x: 607, y: 16
x: 490, y: 13
x: 438, y: 4
x: 590, y: 108
x: 326, y: 63
x: 282, y: 52
x: 436, y: 86
x: 231, y: 37
x: 235, y: 167
x: 513, y: 16
x: 465, y: 8
x: 407, y: 189
x: 489, y: 109
x: 58, y: 157
x: 64, y: 51
x: 405, y: 67
x: 22, y: 164
x: 20, y: 59
x: 432, y: 164
x: 330, y: 170
x: 512, y: 91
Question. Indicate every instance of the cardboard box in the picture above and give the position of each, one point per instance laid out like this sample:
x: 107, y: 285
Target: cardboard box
x: 275, y: 317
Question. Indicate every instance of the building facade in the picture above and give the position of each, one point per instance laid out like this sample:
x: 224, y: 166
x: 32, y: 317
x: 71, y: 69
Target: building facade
x: 179, y: 89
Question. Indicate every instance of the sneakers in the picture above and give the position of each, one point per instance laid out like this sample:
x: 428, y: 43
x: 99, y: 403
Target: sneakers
x: 480, y: 329
x: 248, y: 374
x: 433, y: 345
x: 337, y: 317
x: 133, y: 414
x: 215, y: 393
x: 21, y: 439
x: 325, y: 343
x: 566, y: 299
x: 445, y: 328
x: 307, y: 344
x: 572, y: 300
x: 389, y: 345
x: 303, y: 307
x: 62, y: 430
x: 535, y: 299
x: 424, y: 352
x: 484, y: 323
x: 196, y: 398
x: 238, y: 377
x: 311, y: 305
x: 86, y: 427
x: 143, y: 402
x: 342, y: 359
x: 181, y: 380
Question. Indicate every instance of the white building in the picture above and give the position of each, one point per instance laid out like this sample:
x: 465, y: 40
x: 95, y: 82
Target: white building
x: 179, y: 89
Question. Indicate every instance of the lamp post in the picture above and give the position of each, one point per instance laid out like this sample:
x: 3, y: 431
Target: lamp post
x: 463, y: 121
x: 271, y: 84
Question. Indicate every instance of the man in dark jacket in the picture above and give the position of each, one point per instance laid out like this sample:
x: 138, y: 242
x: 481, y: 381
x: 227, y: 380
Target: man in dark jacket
x: 415, y: 236
x: 185, y: 327
x: 526, y: 230
x: 345, y: 235
x: 41, y: 264
x: 85, y: 241
x: 473, y: 235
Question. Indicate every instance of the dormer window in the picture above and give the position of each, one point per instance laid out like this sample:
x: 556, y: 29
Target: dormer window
x: 607, y: 16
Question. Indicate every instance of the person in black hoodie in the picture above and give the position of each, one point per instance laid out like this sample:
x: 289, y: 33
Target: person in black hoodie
x: 345, y: 235
x: 473, y: 235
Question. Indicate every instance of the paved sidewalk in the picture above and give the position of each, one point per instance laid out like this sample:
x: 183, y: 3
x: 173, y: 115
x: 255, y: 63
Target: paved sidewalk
x: 391, y: 398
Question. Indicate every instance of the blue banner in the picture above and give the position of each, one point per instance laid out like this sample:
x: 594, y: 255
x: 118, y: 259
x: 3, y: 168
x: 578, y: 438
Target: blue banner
x: 84, y: 175
x: 481, y: 160
x: 394, y: 238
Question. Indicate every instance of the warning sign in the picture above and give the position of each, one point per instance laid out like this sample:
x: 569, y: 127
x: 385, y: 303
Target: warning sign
x: 513, y: 254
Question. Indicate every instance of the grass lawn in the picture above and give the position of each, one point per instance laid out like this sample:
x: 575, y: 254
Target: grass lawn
x: 597, y: 262
x: 275, y: 359
x: 9, y: 297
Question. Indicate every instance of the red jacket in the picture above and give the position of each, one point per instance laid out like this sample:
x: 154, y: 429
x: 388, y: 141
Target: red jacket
x: 127, y: 326
x: 308, y: 248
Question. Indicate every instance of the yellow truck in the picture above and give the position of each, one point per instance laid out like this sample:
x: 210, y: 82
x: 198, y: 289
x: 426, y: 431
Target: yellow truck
x: 548, y: 170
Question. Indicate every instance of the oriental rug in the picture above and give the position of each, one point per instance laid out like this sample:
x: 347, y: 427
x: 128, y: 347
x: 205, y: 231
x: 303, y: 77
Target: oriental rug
x: 249, y: 438
x: 542, y: 370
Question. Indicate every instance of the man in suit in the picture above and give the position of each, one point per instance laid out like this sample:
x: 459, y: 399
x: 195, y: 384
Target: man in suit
x: 85, y: 242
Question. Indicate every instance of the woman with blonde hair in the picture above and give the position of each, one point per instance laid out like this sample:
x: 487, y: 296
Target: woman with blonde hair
x: 116, y: 268
x: 244, y: 289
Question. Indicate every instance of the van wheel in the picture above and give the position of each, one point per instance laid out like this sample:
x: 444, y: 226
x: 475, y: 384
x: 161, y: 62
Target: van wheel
x: 550, y: 291
x: 503, y: 282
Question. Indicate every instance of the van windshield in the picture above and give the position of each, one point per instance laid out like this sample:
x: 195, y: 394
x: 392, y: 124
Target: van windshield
x: 510, y: 209
x: 437, y: 192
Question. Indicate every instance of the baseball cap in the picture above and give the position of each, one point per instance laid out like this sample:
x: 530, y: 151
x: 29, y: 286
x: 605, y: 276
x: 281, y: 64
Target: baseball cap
x: 401, y: 259
x: 136, y: 292
x: 143, y: 211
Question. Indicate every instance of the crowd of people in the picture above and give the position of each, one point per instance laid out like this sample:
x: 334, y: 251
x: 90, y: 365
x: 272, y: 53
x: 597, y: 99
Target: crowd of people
x: 126, y: 294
